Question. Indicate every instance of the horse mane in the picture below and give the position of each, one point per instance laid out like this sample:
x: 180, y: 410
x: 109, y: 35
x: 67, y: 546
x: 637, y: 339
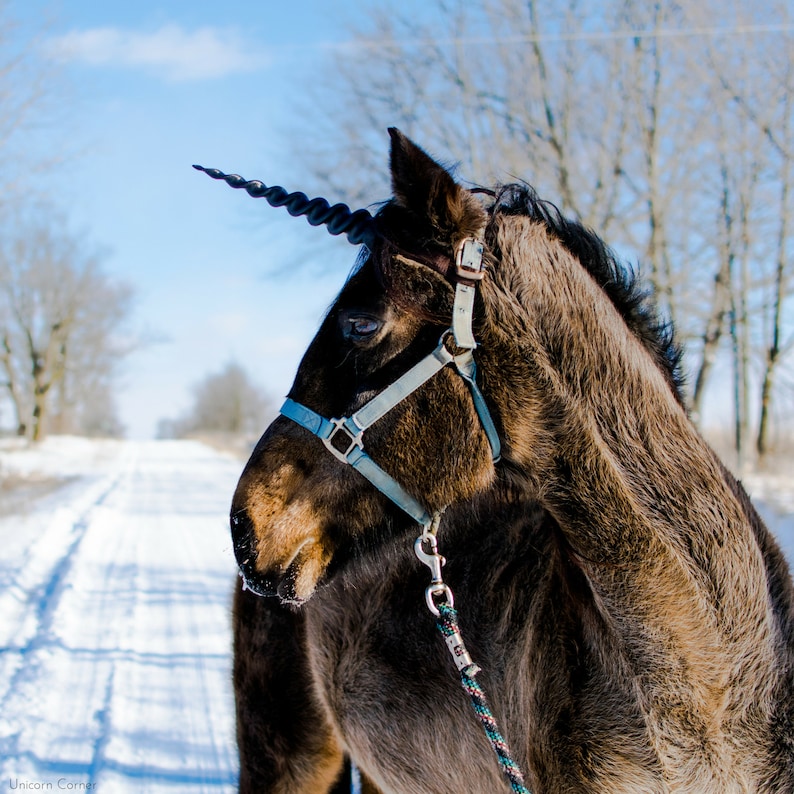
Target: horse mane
x: 619, y: 281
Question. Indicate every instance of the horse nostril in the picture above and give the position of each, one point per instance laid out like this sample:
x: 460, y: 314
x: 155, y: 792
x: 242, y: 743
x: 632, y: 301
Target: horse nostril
x: 242, y: 536
x: 244, y: 551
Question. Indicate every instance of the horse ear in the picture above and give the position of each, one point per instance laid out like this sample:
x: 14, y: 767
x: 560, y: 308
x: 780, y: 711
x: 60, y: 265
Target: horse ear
x: 427, y: 190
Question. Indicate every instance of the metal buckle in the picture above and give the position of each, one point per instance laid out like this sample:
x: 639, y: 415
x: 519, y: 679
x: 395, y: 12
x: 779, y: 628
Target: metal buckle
x: 436, y: 592
x: 355, y: 440
x: 468, y: 260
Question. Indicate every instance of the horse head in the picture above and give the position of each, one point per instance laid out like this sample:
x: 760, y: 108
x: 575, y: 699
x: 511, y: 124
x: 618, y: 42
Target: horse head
x: 299, y: 509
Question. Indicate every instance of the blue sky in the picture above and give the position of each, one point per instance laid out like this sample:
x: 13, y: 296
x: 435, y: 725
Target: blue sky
x: 150, y: 88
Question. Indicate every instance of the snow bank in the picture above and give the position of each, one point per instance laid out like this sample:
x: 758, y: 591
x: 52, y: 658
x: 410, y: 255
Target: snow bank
x: 115, y: 641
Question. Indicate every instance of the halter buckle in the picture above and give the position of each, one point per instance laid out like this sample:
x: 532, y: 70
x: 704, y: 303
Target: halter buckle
x: 468, y: 260
x: 432, y: 559
x: 356, y: 440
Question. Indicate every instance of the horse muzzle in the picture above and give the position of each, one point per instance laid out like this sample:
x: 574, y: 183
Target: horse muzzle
x: 244, y: 544
x: 286, y: 558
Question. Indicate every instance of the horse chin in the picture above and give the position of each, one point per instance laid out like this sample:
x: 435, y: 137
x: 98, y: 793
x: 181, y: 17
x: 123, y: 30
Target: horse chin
x: 258, y: 584
x: 296, y: 584
x: 299, y: 580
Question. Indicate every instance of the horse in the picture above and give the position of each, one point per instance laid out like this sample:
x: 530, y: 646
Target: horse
x: 632, y: 616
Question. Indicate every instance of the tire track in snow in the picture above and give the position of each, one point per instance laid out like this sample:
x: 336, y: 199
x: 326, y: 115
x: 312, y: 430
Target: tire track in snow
x: 50, y: 597
x: 202, y: 671
x: 182, y: 603
x: 104, y: 733
x: 44, y: 598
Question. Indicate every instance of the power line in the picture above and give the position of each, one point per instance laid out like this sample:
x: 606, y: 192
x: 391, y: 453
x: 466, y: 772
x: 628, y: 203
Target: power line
x: 604, y: 35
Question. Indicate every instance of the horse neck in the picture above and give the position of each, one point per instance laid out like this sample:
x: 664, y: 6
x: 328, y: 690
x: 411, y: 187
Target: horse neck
x: 588, y: 416
x: 574, y: 381
x: 591, y: 423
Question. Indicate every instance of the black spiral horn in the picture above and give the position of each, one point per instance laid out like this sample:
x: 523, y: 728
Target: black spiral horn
x: 359, y: 226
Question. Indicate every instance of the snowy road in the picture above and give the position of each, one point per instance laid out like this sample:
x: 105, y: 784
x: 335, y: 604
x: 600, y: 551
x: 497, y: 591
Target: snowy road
x: 114, y: 623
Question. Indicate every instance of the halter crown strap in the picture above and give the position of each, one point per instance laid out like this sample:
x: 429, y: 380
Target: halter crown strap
x: 469, y: 269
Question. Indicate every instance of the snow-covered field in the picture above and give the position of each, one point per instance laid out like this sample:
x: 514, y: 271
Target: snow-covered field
x: 115, y: 593
x: 116, y: 574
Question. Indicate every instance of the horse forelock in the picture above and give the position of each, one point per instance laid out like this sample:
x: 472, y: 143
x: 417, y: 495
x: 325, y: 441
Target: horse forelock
x: 403, y: 238
x: 619, y: 281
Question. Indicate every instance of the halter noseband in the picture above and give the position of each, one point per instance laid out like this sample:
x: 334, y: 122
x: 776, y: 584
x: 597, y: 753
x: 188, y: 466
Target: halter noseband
x: 470, y: 270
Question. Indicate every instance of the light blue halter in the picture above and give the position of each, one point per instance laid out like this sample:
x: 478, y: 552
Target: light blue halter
x: 470, y: 268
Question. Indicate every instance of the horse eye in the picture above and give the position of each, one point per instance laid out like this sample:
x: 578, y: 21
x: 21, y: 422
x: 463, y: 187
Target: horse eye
x: 362, y: 327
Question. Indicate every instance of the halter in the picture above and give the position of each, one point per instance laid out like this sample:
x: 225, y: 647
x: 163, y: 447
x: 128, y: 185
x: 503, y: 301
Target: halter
x: 438, y: 596
x: 349, y: 430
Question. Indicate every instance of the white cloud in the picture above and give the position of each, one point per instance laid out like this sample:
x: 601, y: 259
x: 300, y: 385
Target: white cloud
x: 171, y: 51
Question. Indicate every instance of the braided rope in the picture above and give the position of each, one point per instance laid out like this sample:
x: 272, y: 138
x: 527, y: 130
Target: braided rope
x: 447, y: 623
x: 339, y: 218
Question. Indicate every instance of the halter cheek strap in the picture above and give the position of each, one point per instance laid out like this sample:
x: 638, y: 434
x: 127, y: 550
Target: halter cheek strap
x: 350, y: 429
x: 351, y: 450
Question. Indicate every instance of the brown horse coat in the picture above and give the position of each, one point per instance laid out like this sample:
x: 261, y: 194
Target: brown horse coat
x: 633, y: 617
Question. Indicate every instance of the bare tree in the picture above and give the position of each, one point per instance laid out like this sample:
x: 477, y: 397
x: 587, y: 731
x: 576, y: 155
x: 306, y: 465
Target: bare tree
x: 32, y: 99
x: 60, y: 323
x: 777, y: 339
x: 504, y: 89
x: 58, y: 350
x: 668, y: 132
x: 777, y: 345
x: 226, y: 403
x: 750, y: 89
x: 590, y: 101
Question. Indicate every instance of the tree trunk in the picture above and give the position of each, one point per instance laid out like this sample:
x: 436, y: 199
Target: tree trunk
x: 772, y: 357
x: 14, y: 391
x: 720, y: 307
x: 711, y: 339
x: 741, y: 339
x: 39, y: 415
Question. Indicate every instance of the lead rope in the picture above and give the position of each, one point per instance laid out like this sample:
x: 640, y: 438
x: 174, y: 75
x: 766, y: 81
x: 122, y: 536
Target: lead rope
x: 447, y: 624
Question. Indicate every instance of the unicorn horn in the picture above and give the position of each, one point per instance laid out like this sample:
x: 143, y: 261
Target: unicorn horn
x: 359, y: 226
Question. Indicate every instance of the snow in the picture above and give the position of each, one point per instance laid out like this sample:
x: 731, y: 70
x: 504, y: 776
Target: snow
x: 116, y: 576
x: 115, y: 640
x: 773, y: 496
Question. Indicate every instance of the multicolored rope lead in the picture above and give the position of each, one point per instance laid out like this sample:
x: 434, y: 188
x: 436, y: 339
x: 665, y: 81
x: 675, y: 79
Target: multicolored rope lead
x: 447, y: 623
